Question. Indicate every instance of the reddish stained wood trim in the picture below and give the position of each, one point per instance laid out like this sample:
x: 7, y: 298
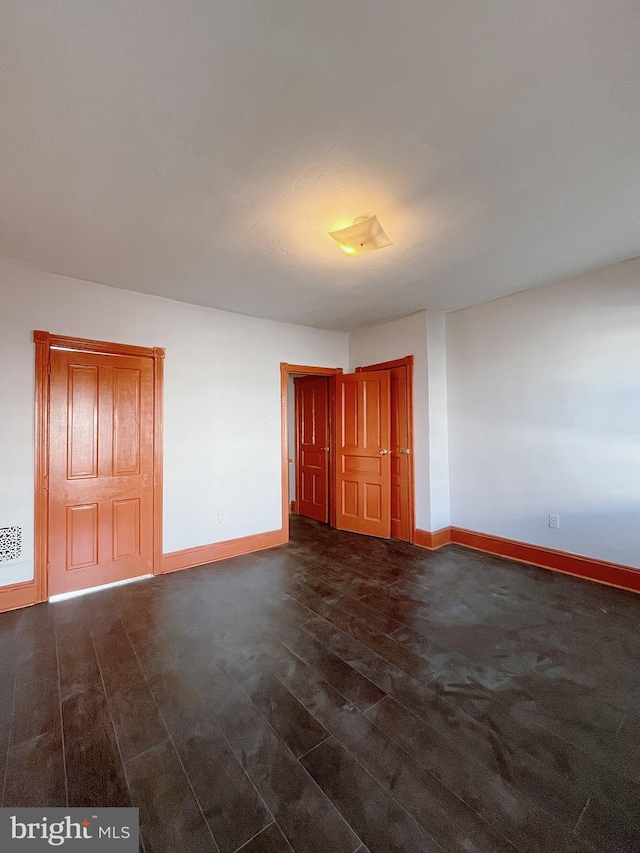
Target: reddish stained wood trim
x: 16, y: 595
x: 107, y: 347
x: 588, y: 568
x: 407, y: 361
x: 309, y: 371
x: 199, y: 556
x: 158, y: 455
x: 611, y: 574
x: 41, y: 484
x: 294, y: 507
x: 427, y: 539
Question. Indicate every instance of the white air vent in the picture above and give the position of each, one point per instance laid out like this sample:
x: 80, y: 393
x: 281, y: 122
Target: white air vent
x: 10, y: 543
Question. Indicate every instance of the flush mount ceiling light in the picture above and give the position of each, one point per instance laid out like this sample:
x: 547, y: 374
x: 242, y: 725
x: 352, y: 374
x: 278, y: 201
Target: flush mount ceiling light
x: 363, y: 236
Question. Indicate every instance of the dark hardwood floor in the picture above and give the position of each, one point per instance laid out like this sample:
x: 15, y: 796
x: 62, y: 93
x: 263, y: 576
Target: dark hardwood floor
x: 333, y: 695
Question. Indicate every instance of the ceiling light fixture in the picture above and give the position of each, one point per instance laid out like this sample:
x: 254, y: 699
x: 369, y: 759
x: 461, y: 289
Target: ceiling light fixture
x: 365, y: 235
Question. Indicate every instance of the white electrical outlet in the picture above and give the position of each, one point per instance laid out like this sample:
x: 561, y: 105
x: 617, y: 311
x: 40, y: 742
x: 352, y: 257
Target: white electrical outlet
x: 554, y: 521
x: 222, y: 516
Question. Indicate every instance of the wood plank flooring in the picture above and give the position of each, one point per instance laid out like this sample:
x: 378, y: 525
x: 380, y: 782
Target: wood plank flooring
x: 334, y: 695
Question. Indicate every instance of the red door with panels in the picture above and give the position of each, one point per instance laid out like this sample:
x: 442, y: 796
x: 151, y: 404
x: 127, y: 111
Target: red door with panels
x: 312, y: 446
x: 100, y: 469
x: 363, y: 458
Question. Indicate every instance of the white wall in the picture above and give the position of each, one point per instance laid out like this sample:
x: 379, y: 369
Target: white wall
x: 222, y: 377
x: 542, y: 395
x: 544, y: 415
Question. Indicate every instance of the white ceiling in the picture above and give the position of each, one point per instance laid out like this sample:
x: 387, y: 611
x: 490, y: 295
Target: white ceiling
x: 203, y: 149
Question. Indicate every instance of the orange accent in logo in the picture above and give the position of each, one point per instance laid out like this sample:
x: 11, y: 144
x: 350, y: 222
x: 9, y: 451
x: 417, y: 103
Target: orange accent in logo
x: 86, y: 822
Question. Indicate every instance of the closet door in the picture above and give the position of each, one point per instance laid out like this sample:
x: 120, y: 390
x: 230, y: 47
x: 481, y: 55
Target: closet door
x: 363, y: 453
x: 312, y: 447
x: 100, y: 469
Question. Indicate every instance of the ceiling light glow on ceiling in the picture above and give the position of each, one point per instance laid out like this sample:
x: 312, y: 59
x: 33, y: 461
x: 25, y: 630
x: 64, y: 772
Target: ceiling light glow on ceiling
x: 365, y: 235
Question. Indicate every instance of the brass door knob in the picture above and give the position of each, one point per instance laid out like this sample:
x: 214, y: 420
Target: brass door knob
x: 384, y: 452
x: 403, y: 450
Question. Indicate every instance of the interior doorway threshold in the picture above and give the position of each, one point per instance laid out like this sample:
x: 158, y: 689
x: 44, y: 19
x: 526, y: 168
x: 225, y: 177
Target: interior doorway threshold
x: 64, y: 595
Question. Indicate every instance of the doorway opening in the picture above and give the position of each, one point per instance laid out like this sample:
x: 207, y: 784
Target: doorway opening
x: 98, y: 498
x: 309, y: 447
x: 307, y: 396
x: 347, y: 447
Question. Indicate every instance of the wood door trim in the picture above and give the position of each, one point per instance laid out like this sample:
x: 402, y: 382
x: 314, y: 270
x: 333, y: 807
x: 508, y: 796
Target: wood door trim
x: 107, y: 347
x: 44, y: 342
x: 287, y: 370
x: 388, y: 365
x: 407, y: 362
x: 41, y: 509
x: 309, y: 371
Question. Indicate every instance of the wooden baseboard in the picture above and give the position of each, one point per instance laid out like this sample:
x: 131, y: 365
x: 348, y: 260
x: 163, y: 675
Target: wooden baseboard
x: 17, y: 595
x: 612, y: 574
x: 426, y: 539
x: 294, y: 507
x: 191, y: 557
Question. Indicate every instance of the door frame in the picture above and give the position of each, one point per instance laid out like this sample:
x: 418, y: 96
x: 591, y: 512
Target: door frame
x: 406, y: 362
x: 286, y: 370
x: 44, y: 343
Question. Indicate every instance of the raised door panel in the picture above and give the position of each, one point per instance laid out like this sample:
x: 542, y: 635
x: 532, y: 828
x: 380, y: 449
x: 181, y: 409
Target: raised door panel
x: 82, y: 536
x: 349, y: 504
x: 350, y: 418
x: 126, y: 528
x: 371, y: 391
x: 82, y: 422
x: 126, y: 422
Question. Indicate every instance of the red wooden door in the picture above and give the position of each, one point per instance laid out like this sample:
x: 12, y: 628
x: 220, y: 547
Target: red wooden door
x: 100, y: 469
x: 363, y: 458
x: 312, y: 447
x: 400, y: 484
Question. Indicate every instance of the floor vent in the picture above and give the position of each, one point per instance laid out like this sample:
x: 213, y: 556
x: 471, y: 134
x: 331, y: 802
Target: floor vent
x: 10, y: 543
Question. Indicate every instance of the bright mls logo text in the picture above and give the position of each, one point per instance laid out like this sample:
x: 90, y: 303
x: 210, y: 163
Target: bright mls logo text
x: 99, y: 829
x: 56, y: 833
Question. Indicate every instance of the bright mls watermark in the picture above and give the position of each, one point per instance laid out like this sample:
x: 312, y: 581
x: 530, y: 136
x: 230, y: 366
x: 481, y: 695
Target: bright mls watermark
x: 69, y: 829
